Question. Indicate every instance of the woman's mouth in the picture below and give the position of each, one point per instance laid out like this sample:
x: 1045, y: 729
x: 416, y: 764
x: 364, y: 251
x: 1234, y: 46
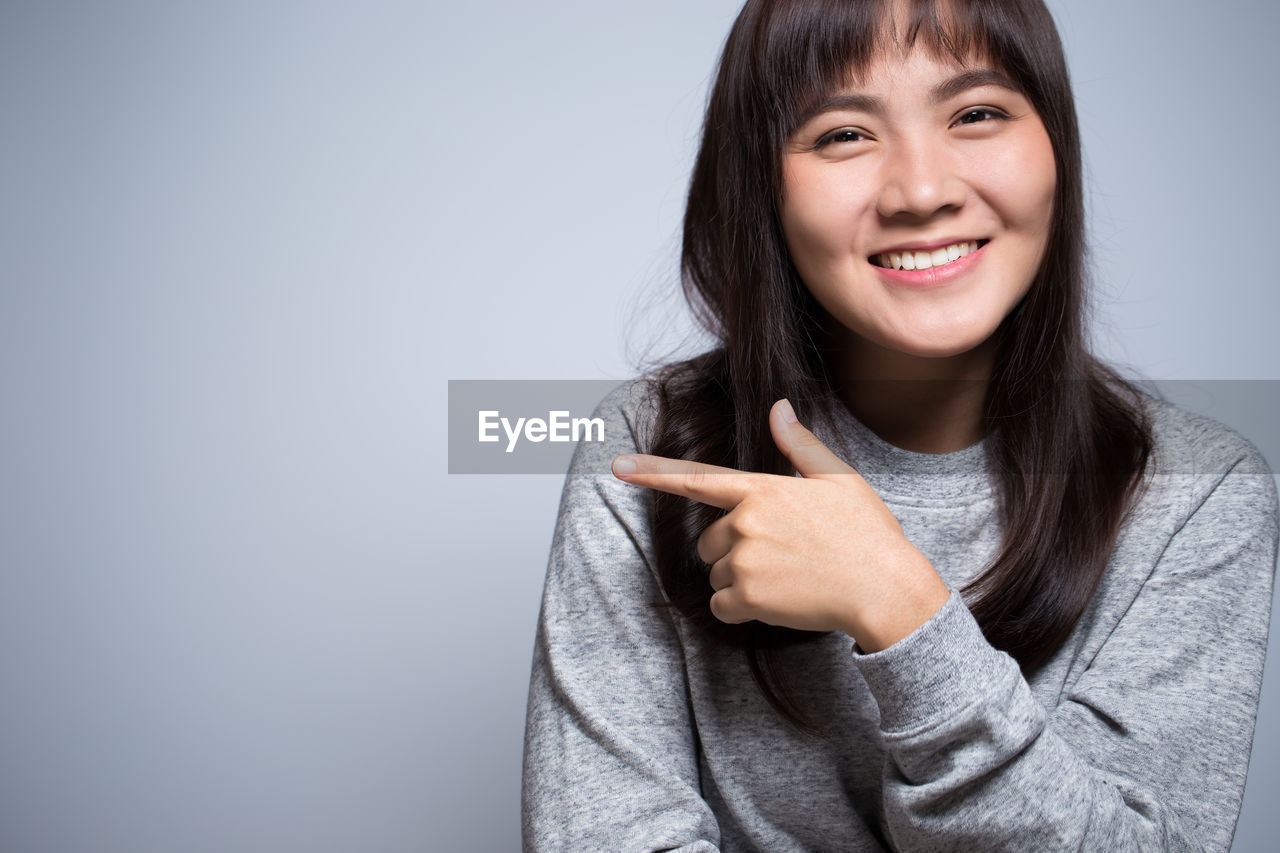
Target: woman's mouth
x: 939, y: 257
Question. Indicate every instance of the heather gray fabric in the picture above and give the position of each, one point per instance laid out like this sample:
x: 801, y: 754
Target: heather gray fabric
x: 1135, y: 736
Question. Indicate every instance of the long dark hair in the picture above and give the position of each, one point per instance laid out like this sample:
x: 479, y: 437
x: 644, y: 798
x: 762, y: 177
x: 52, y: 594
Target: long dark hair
x: 1067, y: 439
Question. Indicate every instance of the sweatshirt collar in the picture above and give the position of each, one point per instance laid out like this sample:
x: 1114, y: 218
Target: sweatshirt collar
x: 891, y: 470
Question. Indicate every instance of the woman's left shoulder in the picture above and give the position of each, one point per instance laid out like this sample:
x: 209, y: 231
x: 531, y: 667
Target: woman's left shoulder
x: 1190, y: 443
x: 1202, y: 468
x: 1208, y: 503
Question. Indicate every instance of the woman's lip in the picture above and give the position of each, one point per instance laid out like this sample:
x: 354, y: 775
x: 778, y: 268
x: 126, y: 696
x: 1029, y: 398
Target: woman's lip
x: 934, y: 276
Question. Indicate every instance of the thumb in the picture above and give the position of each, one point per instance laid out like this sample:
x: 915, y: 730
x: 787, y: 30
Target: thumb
x: 811, y: 457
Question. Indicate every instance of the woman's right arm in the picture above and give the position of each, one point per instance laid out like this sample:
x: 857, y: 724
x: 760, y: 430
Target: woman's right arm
x: 610, y: 758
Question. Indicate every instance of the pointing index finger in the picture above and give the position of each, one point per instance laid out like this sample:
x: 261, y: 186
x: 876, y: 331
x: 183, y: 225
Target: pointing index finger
x: 709, y: 484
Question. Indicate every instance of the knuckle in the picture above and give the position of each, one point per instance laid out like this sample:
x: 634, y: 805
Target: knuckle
x: 742, y: 523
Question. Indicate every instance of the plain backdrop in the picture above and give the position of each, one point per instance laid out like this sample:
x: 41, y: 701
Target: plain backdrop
x: 243, y: 247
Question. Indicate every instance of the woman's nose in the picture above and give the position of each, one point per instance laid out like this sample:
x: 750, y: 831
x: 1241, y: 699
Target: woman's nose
x: 919, y: 181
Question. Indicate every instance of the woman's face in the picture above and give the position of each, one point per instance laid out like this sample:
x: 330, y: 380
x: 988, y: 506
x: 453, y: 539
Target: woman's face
x: 917, y: 204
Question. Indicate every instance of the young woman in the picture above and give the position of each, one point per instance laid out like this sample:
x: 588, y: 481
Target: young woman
x: 898, y: 565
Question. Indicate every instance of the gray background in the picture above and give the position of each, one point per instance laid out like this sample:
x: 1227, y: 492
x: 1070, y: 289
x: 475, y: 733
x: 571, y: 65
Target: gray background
x: 243, y: 246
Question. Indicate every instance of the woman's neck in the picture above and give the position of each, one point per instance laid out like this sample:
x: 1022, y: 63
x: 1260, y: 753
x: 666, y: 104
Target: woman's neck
x: 926, y: 405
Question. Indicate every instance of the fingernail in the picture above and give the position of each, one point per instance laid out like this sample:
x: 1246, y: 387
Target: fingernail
x: 788, y: 413
x: 624, y: 465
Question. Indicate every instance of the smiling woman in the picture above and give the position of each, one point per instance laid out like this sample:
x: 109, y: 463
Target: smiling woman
x: 998, y: 607
x: 916, y: 208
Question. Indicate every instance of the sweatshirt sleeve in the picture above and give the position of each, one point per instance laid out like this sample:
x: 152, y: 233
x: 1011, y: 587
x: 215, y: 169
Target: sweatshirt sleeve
x: 1147, y: 750
x: 610, y: 758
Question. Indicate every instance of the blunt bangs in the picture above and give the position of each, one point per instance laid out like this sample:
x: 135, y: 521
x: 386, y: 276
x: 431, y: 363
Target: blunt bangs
x: 797, y: 52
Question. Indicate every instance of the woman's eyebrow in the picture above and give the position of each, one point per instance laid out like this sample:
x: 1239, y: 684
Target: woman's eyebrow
x: 944, y: 91
x: 971, y: 79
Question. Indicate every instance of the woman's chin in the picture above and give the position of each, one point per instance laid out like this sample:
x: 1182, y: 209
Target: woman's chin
x: 939, y: 346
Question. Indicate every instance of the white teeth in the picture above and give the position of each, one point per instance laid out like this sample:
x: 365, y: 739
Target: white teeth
x: 926, y: 260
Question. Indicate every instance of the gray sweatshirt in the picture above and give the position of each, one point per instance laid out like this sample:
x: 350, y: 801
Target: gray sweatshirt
x: 641, y: 735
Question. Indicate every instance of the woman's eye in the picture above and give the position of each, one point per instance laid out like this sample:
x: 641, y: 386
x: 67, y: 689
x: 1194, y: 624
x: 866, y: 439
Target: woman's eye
x: 844, y: 134
x: 979, y: 115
